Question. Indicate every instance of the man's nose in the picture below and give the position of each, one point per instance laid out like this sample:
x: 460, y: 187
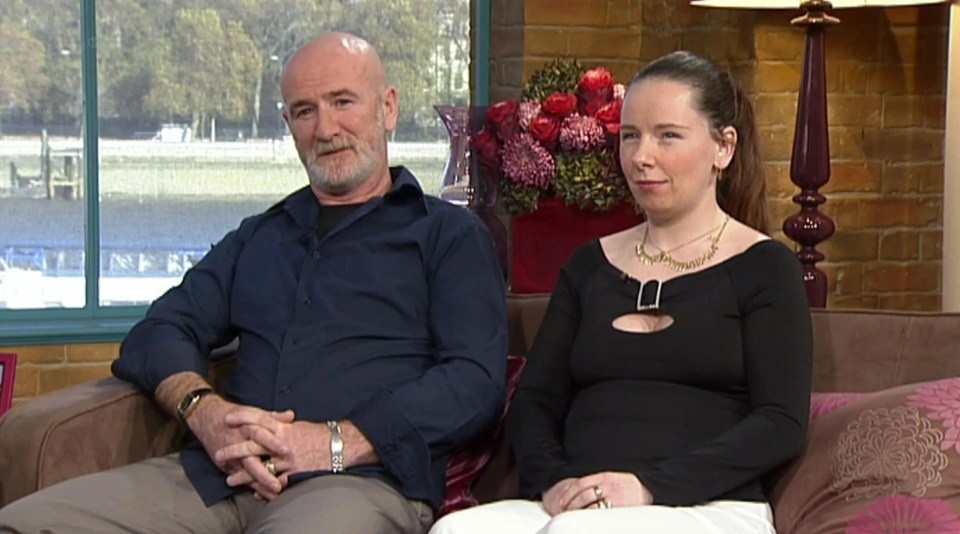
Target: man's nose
x: 327, y: 126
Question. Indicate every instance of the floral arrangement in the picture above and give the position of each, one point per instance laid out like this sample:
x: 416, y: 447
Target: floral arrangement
x: 560, y: 140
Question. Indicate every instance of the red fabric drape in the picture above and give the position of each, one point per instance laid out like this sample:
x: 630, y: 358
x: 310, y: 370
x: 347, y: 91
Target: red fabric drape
x: 541, y: 241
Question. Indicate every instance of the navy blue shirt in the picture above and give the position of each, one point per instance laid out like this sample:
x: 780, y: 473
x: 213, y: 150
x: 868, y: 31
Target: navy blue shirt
x: 395, y: 320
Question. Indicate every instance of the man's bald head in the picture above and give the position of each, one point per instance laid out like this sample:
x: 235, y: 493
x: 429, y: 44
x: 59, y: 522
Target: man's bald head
x: 331, y: 50
x: 340, y: 111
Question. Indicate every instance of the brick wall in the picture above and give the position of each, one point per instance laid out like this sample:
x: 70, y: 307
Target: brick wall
x: 886, y: 80
x: 885, y: 69
x: 44, y: 368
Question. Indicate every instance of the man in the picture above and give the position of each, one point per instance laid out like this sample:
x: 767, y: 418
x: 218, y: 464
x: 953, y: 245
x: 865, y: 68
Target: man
x: 372, y: 343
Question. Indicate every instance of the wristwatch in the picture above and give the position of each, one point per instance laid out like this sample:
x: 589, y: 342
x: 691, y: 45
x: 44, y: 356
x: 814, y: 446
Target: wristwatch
x: 190, y: 402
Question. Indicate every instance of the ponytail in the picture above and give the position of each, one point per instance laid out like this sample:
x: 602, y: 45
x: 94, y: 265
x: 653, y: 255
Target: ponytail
x: 742, y: 190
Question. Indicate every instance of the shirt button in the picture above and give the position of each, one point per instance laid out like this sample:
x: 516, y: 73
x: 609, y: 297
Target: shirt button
x: 316, y: 254
x: 285, y: 389
x: 306, y: 301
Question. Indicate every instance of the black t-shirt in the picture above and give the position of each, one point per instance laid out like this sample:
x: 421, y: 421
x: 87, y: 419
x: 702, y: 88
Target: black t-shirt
x: 330, y: 216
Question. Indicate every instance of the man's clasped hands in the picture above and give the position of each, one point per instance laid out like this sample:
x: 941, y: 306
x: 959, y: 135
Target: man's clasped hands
x: 259, y: 448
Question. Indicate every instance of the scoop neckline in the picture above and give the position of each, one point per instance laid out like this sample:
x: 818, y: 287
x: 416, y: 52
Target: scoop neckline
x: 681, y: 276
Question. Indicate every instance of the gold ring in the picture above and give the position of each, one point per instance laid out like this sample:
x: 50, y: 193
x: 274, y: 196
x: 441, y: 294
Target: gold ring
x: 598, y: 492
x: 605, y: 504
x: 271, y: 467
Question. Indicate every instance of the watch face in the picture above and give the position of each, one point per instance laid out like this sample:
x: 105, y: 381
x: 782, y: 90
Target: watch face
x: 187, y: 402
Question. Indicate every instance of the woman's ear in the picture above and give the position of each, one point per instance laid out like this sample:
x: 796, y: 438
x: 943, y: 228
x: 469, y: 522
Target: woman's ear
x: 726, y: 147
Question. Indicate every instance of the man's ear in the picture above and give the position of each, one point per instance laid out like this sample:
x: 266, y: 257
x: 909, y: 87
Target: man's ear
x: 726, y: 147
x: 391, y: 108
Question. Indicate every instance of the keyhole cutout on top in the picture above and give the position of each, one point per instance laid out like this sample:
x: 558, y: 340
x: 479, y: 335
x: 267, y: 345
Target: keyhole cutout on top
x: 648, y: 317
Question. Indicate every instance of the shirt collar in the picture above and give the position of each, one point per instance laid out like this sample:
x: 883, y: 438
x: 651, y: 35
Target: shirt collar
x: 302, y: 205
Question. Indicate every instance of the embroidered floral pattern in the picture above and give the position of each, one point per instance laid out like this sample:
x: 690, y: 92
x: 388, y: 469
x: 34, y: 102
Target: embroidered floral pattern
x: 824, y: 403
x: 887, y: 451
x: 941, y: 399
x: 899, y: 514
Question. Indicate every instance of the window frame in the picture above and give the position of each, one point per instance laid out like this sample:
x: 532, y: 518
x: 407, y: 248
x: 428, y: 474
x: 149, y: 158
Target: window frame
x: 96, y: 323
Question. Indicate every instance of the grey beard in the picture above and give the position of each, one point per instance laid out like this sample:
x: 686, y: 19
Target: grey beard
x: 339, y: 187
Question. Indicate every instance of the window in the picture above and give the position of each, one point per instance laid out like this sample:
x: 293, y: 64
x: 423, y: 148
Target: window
x: 109, y: 200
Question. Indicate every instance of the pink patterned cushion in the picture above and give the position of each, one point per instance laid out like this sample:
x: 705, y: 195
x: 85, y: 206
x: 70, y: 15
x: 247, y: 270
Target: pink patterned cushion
x: 881, y: 462
x: 824, y: 403
x: 467, y: 464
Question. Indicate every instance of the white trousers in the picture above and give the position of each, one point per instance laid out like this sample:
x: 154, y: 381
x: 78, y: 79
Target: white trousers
x: 529, y: 517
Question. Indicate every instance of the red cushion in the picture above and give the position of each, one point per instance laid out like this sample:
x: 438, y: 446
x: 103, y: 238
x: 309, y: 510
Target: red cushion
x: 467, y: 463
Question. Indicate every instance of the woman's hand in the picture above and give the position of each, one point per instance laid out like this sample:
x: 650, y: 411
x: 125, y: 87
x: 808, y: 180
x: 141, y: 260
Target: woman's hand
x: 552, y: 502
x: 601, y: 490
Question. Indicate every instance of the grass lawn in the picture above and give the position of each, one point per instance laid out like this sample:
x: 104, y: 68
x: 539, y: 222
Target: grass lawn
x: 229, y: 178
x: 219, y: 170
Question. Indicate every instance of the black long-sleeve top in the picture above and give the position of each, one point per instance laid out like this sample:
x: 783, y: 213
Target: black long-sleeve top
x: 698, y: 411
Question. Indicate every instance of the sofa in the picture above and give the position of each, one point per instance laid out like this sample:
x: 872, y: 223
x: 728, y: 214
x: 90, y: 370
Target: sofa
x: 883, y: 452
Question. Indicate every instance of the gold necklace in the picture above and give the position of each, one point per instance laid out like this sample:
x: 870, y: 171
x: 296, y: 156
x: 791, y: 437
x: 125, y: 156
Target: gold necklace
x: 665, y: 258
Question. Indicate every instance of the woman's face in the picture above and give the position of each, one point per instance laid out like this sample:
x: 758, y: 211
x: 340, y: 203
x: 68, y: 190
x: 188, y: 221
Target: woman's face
x: 670, y: 156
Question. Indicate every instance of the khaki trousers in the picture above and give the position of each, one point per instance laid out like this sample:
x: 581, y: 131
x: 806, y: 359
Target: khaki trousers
x: 155, y: 496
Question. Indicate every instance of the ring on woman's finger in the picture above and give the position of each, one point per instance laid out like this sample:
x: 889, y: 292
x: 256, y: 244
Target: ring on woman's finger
x: 604, y: 503
x: 271, y: 467
x: 598, y: 492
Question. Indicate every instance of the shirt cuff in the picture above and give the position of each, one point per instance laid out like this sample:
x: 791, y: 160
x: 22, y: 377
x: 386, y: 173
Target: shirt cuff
x: 146, y: 368
x: 402, y: 450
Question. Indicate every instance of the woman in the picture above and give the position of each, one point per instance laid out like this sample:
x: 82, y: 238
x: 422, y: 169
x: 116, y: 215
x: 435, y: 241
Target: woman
x: 671, y: 374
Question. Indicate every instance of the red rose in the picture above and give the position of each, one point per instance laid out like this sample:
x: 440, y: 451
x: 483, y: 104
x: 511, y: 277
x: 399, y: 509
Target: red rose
x: 487, y: 148
x: 559, y: 104
x: 590, y: 106
x: 598, y: 80
x: 594, y: 90
x: 545, y: 129
x: 610, y: 113
x: 502, y: 118
x: 612, y: 130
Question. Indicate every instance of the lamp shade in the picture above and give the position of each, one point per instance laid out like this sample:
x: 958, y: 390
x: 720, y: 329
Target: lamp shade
x: 793, y: 4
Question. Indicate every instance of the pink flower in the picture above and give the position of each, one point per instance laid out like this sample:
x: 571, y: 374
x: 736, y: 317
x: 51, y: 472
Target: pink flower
x: 896, y: 514
x: 526, y: 162
x: 581, y: 133
x: 941, y: 399
x: 824, y: 403
x: 619, y: 90
x: 526, y: 113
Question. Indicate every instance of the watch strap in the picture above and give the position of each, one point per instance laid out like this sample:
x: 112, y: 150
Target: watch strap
x: 336, y: 447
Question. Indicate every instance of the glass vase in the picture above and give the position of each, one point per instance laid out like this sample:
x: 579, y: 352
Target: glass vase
x: 455, y: 186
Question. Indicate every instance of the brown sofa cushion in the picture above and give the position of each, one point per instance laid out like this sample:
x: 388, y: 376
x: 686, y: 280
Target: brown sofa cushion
x: 887, y: 461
